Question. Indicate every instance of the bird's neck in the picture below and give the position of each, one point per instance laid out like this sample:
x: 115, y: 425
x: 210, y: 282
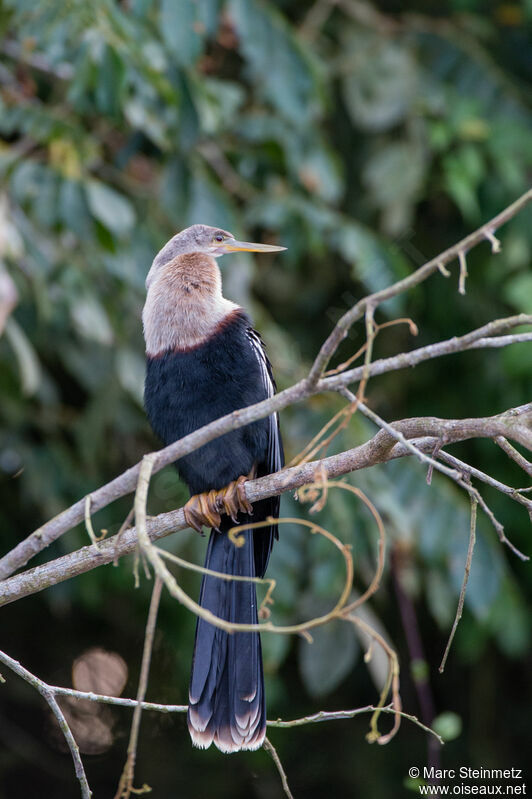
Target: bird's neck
x: 184, y: 304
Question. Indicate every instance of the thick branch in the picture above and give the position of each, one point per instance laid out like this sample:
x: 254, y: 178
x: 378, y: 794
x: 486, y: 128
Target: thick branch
x: 127, y: 482
x: 424, y: 432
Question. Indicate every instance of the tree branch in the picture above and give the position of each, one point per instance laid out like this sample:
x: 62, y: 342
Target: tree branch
x: 270, y: 748
x: 48, y: 693
x: 424, y: 433
x: 482, y: 337
x: 322, y: 715
x: 456, y: 251
x: 119, y: 701
x: 126, y: 482
x: 125, y: 787
x: 467, y: 570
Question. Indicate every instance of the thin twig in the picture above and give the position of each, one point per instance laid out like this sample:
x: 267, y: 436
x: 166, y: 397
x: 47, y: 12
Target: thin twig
x: 471, y: 471
x: 154, y: 556
x: 337, y: 715
x: 119, y: 701
x: 123, y: 527
x: 452, y: 473
x: 516, y: 456
x: 433, y: 455
x: 392, y: 683
x: 457, y: 476
x: 499, y: 528
x: 270, y: 748
x: 482, y: 337
x: 48, y: 694
x: 375, y: 582
x: 88, y: 524
x: 317, y: 442
x: 322, y: 715
x: 502, y: 341
x: 463, y: 271
x: 493, y: 240
x: 126, y: 781
x: 467, y: 569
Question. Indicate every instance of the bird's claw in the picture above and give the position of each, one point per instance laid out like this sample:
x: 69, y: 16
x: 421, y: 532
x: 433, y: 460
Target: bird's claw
x: 204, y: 510
x: 233, y: 499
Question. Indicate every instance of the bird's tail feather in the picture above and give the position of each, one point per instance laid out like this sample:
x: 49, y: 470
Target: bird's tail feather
x: 227, y: 704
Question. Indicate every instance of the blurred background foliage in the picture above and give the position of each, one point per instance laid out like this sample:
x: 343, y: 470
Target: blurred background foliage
x: 366, y: 137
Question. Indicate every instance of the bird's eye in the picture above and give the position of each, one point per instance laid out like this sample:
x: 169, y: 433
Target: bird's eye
x: 219, y: 237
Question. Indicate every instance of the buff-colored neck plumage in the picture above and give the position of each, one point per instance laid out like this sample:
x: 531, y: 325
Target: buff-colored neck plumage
x: 184, y: 304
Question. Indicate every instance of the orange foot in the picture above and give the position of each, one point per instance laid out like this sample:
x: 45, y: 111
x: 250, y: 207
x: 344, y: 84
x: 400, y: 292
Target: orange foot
x: 204, y: 510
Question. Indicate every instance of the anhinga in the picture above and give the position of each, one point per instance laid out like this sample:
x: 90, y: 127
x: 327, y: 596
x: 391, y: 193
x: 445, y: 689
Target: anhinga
x: 204, y: 360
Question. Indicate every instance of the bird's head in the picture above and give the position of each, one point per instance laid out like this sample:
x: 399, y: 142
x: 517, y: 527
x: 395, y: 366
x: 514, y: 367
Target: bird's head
x: 208, y: 240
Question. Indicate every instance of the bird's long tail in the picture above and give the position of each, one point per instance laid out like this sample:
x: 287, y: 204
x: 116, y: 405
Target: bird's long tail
x: 227, y: 704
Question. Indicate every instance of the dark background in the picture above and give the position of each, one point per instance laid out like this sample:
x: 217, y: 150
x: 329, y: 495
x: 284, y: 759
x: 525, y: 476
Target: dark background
x: 366, y: 138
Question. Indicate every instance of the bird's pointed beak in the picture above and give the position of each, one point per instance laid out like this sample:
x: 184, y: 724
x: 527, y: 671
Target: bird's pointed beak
x: 232, y: 245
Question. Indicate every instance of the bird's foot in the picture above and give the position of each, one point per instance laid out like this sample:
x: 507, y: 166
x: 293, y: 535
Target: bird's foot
x: 233, y: 498
x: 204, y: 510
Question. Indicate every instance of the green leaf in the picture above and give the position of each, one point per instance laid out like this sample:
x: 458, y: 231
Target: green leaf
x: 26, y: 180
x: 518, y: 291
x: 178, y: 23
x: 281, y: 69
x: 73, y: 208
x: 217, y: 104
x: 372, y: 263
x: 448, y: 725
x: 27, y: 358
x: 320, y: 173
x: 330, y: 657
x: 510, y: 621
x: 380, y: 82
x: 274, y: 650
x: 131, y: 367
x: 394, y: 176
x: 91, y: 320
x: 141, y: 116
x: 111, y: 82
x: 209, y: 205
x: 109, y: 207
x: 441, y: 598
x: 434, y: 520
x: 208, y: 14
x: 463, y: 171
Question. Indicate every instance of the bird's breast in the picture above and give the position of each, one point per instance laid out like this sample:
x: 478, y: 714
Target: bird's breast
x: 184, y: 321
x: 188, y: 388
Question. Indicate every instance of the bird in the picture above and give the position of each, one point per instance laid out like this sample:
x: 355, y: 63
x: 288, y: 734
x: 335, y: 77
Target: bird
x: 204, y: 360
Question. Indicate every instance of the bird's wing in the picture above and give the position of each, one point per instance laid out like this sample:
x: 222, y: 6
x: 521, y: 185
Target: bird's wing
x: 274, y: 458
